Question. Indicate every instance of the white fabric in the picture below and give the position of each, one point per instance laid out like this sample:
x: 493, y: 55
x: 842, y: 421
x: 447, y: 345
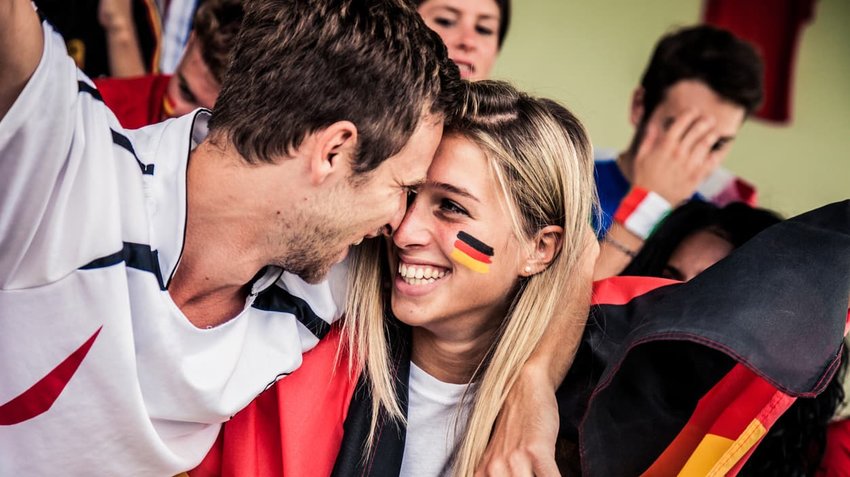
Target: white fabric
x: 177, y: 25
x: 647, y: 215
x: 149, y: 396
x: 431, y: 417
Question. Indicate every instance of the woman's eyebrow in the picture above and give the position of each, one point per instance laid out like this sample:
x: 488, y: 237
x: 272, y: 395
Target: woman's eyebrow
x: 453, y: 189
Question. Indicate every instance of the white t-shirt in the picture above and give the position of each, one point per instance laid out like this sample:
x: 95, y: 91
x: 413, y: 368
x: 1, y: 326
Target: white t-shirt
x: 100, y: 372
x: 432, y: 415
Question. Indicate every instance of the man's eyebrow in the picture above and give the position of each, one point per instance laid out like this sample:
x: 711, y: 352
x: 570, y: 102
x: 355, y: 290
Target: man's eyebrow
x: 453, y: 189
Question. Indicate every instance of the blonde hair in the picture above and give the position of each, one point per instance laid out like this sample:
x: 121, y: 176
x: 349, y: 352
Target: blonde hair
x: 541, y: 157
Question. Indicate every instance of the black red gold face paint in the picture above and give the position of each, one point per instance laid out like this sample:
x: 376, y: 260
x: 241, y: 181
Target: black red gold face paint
x: 472, y: 253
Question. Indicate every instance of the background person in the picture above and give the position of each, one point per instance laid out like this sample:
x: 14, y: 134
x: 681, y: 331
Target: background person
x: 686, y: 112
x: 695, y: 236
x: 473, y: 31
x: 145, y: 100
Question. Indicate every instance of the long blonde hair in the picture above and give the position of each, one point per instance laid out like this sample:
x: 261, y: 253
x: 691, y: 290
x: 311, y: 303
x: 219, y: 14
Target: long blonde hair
x: 541, y: 157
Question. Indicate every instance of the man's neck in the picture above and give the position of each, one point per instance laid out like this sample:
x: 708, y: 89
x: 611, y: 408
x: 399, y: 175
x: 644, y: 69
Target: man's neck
x: 223, y: 248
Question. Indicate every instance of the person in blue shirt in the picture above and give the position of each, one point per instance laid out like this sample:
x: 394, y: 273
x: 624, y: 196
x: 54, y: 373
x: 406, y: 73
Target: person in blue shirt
x: 699, y: 87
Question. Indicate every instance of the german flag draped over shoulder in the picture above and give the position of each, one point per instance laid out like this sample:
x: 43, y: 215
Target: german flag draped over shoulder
x: 685, y: 379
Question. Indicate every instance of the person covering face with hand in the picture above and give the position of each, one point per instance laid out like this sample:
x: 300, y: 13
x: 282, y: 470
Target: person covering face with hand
x: 698, y: 88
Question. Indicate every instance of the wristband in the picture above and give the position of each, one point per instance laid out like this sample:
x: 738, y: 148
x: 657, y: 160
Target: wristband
x: 619, y: 246
x: 641, y: 210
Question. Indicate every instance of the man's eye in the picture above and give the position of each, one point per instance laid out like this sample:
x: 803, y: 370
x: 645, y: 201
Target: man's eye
x: 719, y: 145
x: 411, y: 195
x: 187, y: 93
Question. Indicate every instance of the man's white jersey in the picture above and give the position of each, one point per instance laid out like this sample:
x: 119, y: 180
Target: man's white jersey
x: 100, y: 372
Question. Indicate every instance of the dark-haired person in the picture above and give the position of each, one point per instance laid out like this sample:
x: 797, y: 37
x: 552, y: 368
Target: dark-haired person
x: 695, y: 236
x: 145, y: 100
x: 691, y: 239
x: 153, y: 281
x: 473, y: 31
x: 686, y: 111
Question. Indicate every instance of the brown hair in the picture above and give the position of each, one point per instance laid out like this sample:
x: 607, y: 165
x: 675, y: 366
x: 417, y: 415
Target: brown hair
x: 216, y: 25
x: 728, y: 65
x: 300, y: 66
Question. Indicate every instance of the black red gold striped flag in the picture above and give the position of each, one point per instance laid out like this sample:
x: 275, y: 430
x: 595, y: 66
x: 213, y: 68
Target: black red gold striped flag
x: 685, y: 379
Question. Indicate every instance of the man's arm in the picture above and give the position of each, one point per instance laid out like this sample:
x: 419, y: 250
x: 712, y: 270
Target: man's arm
x: 21, y: 44
x: 523, y: 439
x: 666, y: 170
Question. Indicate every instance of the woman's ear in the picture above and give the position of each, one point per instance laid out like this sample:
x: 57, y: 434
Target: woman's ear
x: 546, y: 245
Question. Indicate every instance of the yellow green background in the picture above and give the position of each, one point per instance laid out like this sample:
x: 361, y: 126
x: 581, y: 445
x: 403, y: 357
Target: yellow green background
x: 589, y: 55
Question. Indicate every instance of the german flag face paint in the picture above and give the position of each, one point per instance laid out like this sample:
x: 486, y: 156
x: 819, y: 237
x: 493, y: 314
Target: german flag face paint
x: 472, y: 253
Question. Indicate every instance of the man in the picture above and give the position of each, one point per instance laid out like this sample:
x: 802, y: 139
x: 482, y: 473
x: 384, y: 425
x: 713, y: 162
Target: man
x: 145, y: 100
x: 153, y: 282
x: 698, y: 88
x: 143, y: 294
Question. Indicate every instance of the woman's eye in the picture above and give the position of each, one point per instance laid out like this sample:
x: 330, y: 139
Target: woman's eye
x: 451, y: 207
x: 444, y: 22
x: 484, y: 31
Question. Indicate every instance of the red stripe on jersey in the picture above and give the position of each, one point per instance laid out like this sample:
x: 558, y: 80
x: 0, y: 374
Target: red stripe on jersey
x: 40, y: 396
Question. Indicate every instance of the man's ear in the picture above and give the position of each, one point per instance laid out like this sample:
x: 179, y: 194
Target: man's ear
x: 332, y: 151
x: 636, y: 108
x: 546, y: 245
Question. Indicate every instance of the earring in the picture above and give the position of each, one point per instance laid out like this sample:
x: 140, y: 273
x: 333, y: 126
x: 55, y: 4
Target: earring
x: 528, y: 269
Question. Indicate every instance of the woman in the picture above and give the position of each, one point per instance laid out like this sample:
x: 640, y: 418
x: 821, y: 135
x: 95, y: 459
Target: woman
x: 473, y: 31
x: 487, y: 247
x: 498, y: 228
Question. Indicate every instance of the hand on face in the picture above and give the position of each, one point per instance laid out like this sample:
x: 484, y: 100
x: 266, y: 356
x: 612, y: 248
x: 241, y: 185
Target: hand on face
x: 685, y: 139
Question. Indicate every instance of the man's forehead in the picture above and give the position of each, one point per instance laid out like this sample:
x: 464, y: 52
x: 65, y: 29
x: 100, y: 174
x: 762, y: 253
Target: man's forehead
x: 694, y: 94
x: 412, y: 162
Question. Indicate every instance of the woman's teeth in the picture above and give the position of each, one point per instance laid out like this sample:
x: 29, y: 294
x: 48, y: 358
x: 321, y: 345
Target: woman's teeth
x: 416, y: 275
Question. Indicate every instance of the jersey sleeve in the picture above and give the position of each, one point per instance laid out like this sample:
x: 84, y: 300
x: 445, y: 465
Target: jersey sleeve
x: 52, y: 190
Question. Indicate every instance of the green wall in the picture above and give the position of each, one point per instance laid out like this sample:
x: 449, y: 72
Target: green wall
x: 590, y: 54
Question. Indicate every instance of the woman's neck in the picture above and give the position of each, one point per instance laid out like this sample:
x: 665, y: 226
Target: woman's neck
x: 450, y: 360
